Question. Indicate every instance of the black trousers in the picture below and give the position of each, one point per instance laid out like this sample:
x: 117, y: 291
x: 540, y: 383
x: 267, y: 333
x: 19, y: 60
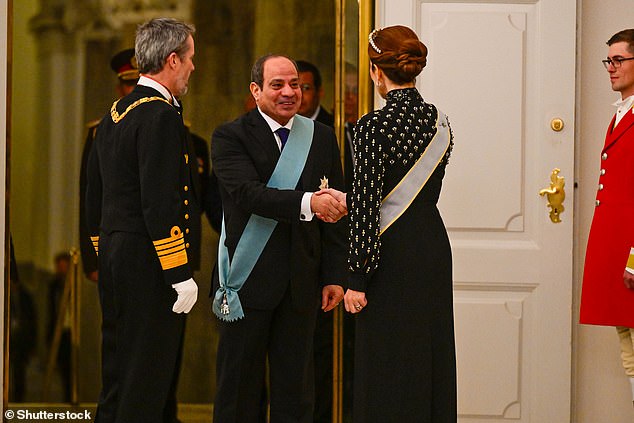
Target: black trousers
x: 323, y: 367
x: 283, y: 334
x: 141, y: 335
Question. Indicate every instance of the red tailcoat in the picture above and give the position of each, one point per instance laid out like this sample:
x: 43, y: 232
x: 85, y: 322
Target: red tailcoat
x: 605, y: 300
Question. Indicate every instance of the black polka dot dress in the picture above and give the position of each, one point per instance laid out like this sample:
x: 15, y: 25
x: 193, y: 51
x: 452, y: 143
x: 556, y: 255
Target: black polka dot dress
x: 404, y: 351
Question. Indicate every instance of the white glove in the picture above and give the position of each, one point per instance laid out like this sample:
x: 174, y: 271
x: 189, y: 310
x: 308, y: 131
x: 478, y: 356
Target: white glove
x: 187, y: 296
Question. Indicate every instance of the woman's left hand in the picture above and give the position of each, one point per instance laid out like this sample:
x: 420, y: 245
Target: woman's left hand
x: 354, y: 301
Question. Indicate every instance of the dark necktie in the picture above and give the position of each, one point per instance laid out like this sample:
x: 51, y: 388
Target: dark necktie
x: 283, y: 134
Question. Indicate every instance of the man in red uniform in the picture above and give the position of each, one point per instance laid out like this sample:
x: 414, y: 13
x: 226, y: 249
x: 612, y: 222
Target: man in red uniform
x: 608, y: 282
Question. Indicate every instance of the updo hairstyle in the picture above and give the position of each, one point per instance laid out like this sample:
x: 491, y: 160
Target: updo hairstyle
x: 398, y: 52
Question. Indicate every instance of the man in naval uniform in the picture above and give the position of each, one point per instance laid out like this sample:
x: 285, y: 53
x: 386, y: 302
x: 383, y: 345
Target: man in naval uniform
x: 125, y: 66
x: 608, y: 281
x: 138, y: 211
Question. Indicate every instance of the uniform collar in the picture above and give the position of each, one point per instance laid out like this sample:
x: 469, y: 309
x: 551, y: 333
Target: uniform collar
x: 624, y: 104
x: 152, y: 83
x: 317, y: 110
x: 622, y: 107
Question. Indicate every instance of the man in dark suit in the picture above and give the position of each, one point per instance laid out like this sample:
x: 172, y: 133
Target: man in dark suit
x: 302, y: 257
x: 312, y: 93
x: 138, y: 209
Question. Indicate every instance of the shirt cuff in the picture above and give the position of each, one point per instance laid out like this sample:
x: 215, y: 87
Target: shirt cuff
x: 305, y: 213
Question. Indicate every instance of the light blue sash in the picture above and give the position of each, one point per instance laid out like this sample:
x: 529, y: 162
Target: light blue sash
x: 400, y: 198
x: 289, y: 168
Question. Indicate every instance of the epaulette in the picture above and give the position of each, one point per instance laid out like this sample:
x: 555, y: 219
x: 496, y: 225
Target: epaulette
x: 93, y: 123
x: 92, y: 127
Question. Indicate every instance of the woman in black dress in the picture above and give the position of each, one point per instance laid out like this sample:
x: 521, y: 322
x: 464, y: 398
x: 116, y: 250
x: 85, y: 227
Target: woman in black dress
x: 400, y: 282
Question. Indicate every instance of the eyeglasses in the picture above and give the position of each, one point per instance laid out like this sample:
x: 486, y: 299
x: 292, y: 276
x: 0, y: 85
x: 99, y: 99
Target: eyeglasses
x: 615, y: 61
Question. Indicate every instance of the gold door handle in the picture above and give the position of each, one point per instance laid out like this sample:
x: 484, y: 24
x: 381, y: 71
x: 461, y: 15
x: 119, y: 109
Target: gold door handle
x: 556, y: 195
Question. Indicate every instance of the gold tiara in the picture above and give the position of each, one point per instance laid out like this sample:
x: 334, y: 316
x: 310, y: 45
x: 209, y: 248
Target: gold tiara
x: 371, y: 40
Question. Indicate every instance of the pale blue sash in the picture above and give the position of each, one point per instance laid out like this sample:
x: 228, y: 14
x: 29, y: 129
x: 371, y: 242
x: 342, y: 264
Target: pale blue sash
x: 400, y: 198
x: 289, y: 168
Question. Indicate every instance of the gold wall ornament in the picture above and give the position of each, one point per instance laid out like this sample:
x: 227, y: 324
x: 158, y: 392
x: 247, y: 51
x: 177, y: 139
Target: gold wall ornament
x: 556, y: 195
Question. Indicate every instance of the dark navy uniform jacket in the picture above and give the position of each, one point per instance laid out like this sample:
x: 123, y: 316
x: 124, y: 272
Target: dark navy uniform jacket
x: 139, y: 179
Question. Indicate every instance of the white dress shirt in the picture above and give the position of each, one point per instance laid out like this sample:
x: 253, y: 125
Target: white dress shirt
x: 623, y: 106
x: 149, y: 82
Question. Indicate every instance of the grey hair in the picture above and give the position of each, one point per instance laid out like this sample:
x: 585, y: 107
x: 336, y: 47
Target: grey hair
x: 157, y: 39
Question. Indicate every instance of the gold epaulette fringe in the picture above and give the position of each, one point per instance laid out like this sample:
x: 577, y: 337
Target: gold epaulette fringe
x: 93, y: 123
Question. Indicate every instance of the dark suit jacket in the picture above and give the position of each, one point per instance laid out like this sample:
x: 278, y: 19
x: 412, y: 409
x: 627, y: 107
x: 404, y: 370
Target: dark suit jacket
x: 324, y: 117
x: 305, y: 254
x: 198, y: 158
x: 348, y: 168
x: 348, y: 154
x: 213, y: 203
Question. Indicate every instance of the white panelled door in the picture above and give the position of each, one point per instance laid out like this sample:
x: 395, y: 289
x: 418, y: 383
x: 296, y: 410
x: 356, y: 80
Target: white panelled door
x: 503, y: 71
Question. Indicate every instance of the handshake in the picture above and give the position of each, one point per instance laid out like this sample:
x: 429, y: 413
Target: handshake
x: 329, y: 205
